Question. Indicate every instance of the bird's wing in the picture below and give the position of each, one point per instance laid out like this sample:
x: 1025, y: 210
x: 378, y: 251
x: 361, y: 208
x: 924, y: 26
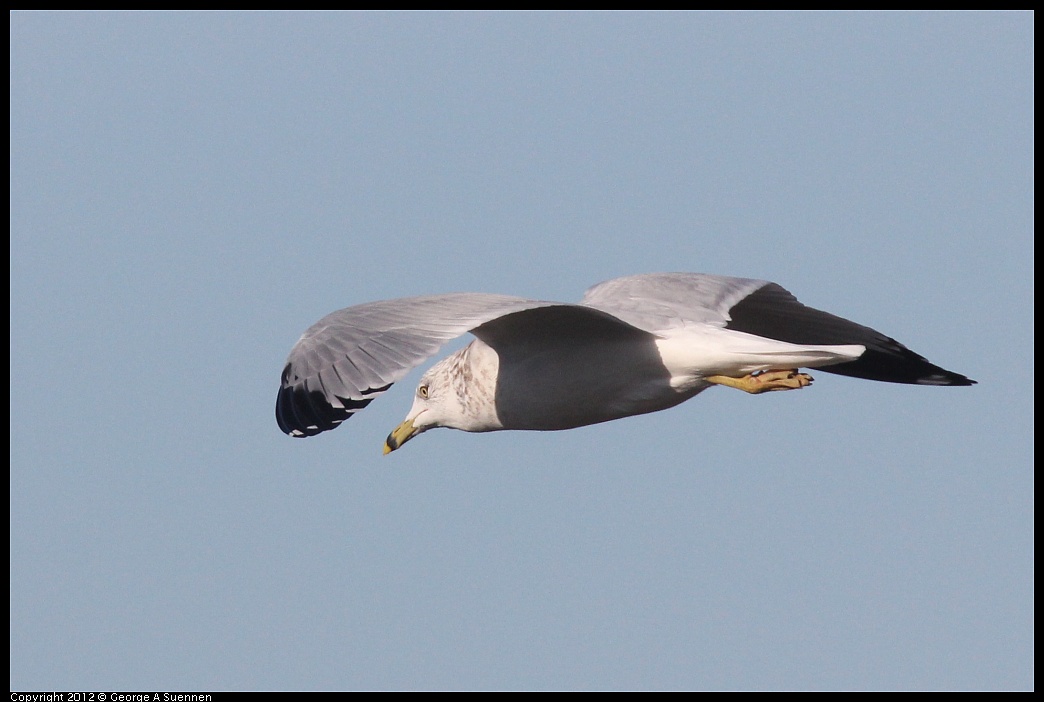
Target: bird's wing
x: 661, y: 302
x: 347, y: 358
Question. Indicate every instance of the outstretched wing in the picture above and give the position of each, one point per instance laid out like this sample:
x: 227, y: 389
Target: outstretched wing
x: 347, y: 358
x: 662, y: 301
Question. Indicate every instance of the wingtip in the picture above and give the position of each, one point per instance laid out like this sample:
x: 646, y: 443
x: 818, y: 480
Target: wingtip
x: 947, y: 378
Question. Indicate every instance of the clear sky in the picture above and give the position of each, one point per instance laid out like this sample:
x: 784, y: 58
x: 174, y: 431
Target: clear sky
x: 189, y: 192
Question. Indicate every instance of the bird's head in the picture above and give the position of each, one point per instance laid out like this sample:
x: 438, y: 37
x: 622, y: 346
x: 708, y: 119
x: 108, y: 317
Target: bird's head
x: 457, y: 392
x: 429, y: 402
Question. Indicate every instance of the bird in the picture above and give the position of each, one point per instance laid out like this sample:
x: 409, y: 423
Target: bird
x: 631, y: 346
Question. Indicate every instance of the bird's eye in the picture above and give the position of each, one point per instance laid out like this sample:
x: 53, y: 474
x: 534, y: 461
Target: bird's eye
x: 422, y: 391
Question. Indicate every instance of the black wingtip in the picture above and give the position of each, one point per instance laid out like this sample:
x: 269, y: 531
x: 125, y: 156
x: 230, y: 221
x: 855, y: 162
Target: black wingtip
x: 308, y: 406
x: 301, y: 411
x: 298, y: 415
x: 947, y: 378
x: 898, y: 365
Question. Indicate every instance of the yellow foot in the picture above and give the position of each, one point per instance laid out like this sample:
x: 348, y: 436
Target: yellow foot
x: 765, y: 381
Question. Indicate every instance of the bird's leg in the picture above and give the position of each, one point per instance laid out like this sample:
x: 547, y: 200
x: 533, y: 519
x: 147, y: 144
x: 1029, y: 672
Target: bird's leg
x: 765, y: 381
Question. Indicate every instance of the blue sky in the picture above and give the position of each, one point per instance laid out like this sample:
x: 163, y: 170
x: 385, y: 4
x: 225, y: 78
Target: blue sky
x: 190, y: 191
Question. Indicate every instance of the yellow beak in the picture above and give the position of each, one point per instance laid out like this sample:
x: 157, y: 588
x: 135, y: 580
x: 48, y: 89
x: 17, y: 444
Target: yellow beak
x: 399, y: 436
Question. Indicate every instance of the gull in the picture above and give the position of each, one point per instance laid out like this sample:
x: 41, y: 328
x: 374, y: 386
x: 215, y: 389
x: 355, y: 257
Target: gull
x: 632, y: 345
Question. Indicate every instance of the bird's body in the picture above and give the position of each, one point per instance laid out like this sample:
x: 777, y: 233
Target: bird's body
x: 631, y: 346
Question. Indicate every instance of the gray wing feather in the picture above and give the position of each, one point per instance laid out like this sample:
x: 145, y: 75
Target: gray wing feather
x: 347, y: 358
x: 661, y: 301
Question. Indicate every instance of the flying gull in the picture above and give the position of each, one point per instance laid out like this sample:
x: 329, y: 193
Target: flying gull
x: 632, y: 345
